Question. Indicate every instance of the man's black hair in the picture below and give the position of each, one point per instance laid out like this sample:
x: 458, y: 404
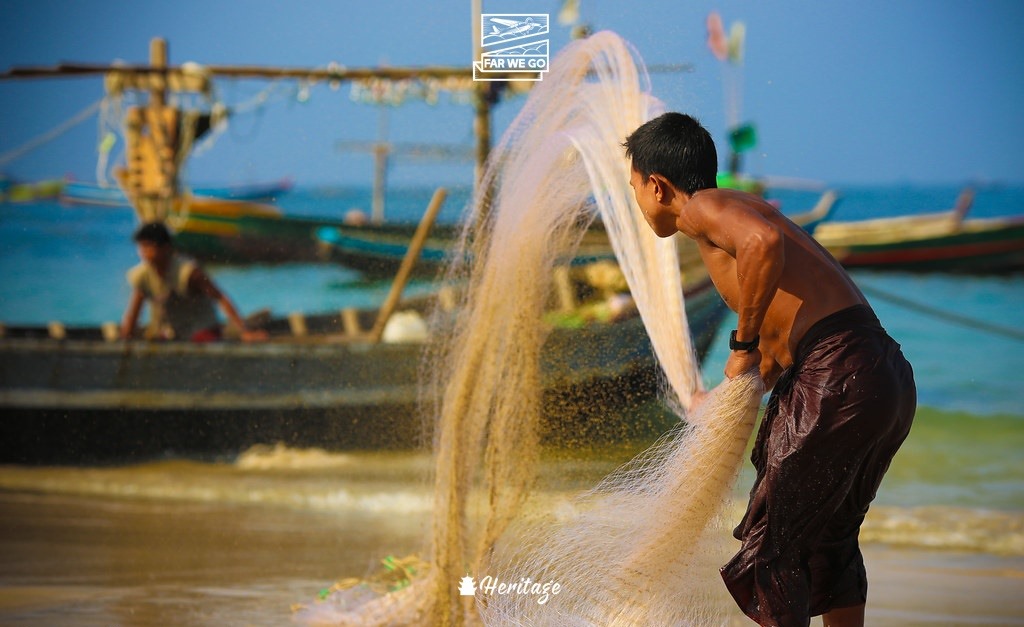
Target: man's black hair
x: 154, y: 232
x: 677, y: 147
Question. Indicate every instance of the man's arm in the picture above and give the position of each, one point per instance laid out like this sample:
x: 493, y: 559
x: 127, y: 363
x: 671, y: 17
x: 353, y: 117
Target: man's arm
x: 131, y: 314
x: 758, y: 248
x: 202, y: 283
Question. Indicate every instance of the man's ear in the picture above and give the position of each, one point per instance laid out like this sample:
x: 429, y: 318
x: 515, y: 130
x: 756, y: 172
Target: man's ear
x: 663, y: 190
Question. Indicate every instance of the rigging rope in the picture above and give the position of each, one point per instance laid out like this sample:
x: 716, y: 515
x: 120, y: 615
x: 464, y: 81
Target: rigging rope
x: 50, y: 135
x: 965, y: 321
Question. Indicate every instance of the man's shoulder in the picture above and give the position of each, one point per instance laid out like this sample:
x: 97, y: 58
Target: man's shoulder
x: 185, y: 269
x: 183, y: 263
x: 716, y: 200
x: 136, y: 274
x: 726, y: 196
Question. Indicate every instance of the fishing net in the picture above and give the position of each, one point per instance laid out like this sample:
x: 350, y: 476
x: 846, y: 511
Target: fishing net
x: 624, y: 552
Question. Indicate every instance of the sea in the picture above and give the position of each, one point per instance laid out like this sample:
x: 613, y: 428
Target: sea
x: 236, y: 539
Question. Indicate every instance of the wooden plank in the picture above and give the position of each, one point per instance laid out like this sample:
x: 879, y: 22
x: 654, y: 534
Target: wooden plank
x: 111, y: 331
x: 56, y: 330
x: 447, y: 298
x: 297, y: 324
x: 564, y: 289
x: 350, y: 322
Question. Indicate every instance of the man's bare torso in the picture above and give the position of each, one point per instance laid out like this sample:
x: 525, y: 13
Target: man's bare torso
x: 812, y: 285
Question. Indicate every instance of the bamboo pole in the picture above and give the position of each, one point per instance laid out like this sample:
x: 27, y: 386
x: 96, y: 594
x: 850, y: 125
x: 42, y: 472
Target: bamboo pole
x: 158, y: 60
x: 243, y: 71
x: 258, y: 71
x: 405, y: 270
x: 381, y: 152
x: 163, y: 122
x: 481, y: 107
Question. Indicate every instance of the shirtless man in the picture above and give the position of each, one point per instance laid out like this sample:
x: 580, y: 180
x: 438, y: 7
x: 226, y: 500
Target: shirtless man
x: 843, y: 397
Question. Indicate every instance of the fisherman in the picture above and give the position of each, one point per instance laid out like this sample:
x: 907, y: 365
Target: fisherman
x: 843, y: 395
x: 180, y: 294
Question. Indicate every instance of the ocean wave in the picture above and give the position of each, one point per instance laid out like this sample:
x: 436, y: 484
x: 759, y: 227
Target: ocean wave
x: 944, y: 527
x: 319, y: 489
x: 281, y: 457
x: 362, y: 484
x: 941, y: 527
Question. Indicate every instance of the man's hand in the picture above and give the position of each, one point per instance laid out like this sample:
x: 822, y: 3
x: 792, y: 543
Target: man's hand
x: 257, y: 335
x: 742, y: 361
x: 697, y: 399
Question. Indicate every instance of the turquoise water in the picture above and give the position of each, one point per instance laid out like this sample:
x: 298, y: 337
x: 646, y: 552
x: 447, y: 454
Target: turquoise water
x: 68, y: 264
x: 963, y: 456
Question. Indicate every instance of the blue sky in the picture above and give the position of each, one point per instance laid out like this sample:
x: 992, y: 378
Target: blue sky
x: 865, y: 91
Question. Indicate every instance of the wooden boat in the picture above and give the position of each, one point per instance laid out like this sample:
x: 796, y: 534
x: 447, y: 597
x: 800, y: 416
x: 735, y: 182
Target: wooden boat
x: 67, y: 395
x: 376, y: 250
x: 230, y: 231
x: 13, y: 191
x: 817, y: 215
x: 942, y: 241
x: 80, y: 193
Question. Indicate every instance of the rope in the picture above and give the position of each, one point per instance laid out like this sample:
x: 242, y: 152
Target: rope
x: 965, y: 321
x: 50, y: 135
x: 110, y: 128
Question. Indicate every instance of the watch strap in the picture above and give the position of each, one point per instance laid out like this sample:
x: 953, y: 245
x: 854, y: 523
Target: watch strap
x: 736, y: 345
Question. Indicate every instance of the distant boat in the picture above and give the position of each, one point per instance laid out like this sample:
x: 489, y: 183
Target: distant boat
x: 222, y: 231
x: 14, y: 191
x: 821, y: 212
x: 231, y: 231
x: 379, y: 249
x: 80, y: 193
x: 68, y: 395
x: 943, y: 241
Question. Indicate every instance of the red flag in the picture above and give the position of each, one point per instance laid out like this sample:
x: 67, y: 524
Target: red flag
x: 718, y: 43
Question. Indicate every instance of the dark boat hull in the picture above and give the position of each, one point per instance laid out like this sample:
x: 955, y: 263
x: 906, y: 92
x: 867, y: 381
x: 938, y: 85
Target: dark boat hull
x: 80, y: 193
x: 984, y: 245
x: 1000, y: 253
x: 77, y: 401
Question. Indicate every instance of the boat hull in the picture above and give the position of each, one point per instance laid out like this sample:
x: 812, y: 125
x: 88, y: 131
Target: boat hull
x: 249, y: 234
x: 78, y: 401
x: 78, y: 193
x: 979, y: 246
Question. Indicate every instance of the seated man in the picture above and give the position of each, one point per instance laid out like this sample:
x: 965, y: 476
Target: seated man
x: 180, y: 294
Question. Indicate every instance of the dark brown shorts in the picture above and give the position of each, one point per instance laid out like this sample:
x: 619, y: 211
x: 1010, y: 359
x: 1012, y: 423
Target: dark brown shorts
x: 832, y: 425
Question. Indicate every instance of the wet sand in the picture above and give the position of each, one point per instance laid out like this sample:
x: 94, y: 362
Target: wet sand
x: 71, y: 560
x: 88, y: 561
x: 920, y: 587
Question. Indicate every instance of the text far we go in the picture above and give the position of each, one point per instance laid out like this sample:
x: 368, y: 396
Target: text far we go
x: 514, y: 63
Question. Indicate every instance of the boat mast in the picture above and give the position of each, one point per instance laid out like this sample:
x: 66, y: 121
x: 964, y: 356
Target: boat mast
x: 154, y: 133
x: 158, y: 141
x: 150, y: 178
x: 481, y: 104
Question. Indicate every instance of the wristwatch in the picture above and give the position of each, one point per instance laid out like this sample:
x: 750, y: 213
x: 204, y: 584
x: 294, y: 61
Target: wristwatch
x: 736, y: 345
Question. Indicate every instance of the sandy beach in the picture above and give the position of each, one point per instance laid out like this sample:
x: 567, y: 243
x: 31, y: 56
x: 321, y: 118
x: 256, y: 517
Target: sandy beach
x: 73, y: 560
x: 921, y: 587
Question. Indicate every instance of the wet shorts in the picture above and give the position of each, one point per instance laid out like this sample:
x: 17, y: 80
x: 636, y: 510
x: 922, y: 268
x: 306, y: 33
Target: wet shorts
x: 832, y: 425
